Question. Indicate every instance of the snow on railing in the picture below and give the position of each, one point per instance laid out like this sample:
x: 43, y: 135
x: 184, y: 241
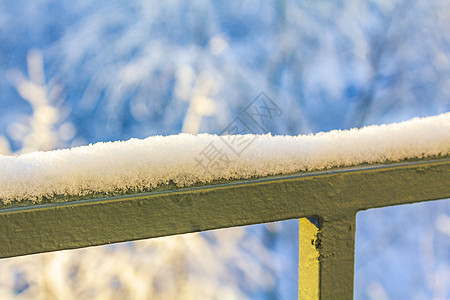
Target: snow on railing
x: 184, y: 159
x: 122, y: 191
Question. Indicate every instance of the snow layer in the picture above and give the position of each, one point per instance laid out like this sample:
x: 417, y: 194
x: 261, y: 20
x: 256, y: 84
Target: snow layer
x: 186, y: 159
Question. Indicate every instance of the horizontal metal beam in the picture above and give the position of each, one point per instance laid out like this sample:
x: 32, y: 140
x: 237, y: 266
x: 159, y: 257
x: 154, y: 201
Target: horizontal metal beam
x: 330, y: 195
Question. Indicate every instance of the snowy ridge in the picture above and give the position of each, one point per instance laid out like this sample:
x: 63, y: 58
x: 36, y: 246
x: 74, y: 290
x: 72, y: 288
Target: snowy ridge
x: 144, y: 164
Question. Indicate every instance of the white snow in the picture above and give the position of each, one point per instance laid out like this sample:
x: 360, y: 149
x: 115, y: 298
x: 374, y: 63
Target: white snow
x: 143, y: 164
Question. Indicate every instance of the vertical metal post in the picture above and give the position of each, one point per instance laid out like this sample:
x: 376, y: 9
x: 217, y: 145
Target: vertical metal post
x: 326, y: 261
x: 308, y: 269
x: 337, y: 257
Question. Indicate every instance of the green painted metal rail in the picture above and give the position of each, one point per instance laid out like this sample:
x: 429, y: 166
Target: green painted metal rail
x: 326, y: 253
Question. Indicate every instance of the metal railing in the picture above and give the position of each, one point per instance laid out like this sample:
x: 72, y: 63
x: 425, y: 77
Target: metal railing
x: 331, y: 197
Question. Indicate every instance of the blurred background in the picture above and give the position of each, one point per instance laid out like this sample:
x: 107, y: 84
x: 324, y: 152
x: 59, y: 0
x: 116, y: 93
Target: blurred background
x: 74, y: 73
